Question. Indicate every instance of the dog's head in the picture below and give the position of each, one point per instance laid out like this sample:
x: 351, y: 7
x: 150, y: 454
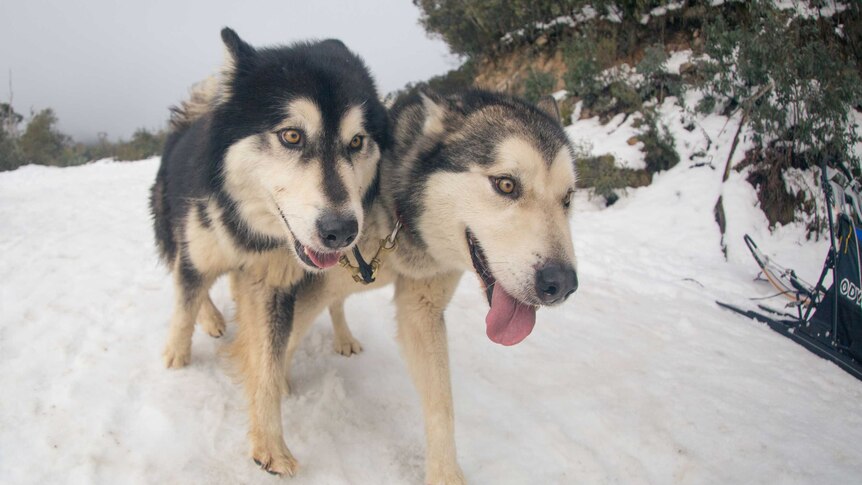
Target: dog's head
x: 302, y: 129
x: 495, y: 193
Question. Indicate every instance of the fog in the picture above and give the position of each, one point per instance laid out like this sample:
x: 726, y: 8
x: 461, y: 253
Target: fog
x: 113, y: 67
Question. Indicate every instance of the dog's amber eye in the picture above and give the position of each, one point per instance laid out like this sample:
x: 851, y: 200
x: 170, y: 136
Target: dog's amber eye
x: 567, y: 200
x: 505, y: 185
x: 290, y: 137
x: 356, y: 142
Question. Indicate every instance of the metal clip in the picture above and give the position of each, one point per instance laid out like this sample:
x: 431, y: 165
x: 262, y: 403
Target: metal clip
x: 366, y: 273
x: 368, y: 276
x: 354, y: 270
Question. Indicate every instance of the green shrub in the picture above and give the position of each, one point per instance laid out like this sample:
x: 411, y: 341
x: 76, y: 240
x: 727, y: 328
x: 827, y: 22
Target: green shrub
x: 538, y: 84
x: 455, y: 80
x: 767, y: 177
x: 41, y: 142
x: 657, y: 82
x: 706, y: 105
x: 10, y: 154
x: 144, y: 144
x: 477, y: 27
x: 605, y: 178
x: 653, y: 62
x: 794, y: 82
x: 583, y: 70
x: 566, y: 111
x: 788, y: 77
x: 627, y: 99
x: 659, y: 146
x: 616, y: 97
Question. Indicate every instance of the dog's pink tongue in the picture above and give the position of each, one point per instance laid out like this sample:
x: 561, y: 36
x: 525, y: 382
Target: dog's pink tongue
x: 508, y: 321
x: 323, y: 260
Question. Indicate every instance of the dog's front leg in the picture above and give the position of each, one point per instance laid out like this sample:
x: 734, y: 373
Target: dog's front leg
x: 344, y: 342
x: 264, y: 315
x: 422, y: 334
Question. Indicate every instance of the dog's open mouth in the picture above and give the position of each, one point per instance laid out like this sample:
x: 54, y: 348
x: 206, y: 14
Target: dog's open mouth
x: 509, y: 321
x: 312, y: 258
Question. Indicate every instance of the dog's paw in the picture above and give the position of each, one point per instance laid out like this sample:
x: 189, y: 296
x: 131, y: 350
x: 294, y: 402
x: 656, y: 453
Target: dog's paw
x: 346, y: 345
x: 176, y: 358
x: 445, y: 476
x: 279, y: 463
x: 213, y: 323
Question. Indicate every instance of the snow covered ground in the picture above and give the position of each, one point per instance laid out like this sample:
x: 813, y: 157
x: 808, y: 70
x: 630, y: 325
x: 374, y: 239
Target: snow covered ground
x: 640, y: 378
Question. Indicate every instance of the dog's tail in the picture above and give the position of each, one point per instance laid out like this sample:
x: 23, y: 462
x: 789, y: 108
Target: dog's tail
x: 159, y: 207
x: 202, y: 96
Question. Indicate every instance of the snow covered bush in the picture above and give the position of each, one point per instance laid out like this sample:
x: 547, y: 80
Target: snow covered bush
x: 475, y: 28
x: 657, y: 83
x: 789, y: 78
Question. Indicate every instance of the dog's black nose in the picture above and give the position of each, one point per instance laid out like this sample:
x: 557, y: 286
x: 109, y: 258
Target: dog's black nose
x: 337, y: 231
x: 555, y: 282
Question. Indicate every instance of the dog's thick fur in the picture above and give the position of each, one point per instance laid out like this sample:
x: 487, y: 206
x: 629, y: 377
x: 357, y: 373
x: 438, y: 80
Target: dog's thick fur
x: 439, y: 180
x: 264, y: 174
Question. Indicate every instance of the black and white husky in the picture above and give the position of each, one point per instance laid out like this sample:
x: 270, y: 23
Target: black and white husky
x: 478, y: 182
x: 264, y: 174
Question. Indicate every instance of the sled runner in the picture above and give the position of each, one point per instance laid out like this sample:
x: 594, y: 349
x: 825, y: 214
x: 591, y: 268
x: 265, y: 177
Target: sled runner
x: 827, y: 321
x: 783, y: 279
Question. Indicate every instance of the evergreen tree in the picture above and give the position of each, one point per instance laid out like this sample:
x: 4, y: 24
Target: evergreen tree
x: 41, y: 142
x: 10, y: 155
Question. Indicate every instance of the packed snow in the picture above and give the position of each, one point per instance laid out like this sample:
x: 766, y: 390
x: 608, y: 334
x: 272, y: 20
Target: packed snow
x: 639, y: 378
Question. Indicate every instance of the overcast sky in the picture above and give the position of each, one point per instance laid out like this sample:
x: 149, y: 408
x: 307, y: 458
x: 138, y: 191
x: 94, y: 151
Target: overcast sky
x: 115, y: 66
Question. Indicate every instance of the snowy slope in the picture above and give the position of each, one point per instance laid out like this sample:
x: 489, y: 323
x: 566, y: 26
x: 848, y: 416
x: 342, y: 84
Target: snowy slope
x: 639, y: 379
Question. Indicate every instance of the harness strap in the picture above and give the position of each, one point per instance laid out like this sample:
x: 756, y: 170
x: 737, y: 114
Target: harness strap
x: 365, y: 269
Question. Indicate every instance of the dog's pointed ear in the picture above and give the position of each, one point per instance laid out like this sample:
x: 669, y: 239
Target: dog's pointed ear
x: 549, y: 105
x: 437, y: 110
x: 238, y: 53
x: 435, y: 113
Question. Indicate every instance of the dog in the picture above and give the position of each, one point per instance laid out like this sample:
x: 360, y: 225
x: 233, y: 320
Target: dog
x: 265, y: 171
x: 477, y: 182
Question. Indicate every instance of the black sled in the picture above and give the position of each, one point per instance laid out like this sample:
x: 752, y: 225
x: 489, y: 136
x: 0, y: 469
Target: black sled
x: 826, y: 321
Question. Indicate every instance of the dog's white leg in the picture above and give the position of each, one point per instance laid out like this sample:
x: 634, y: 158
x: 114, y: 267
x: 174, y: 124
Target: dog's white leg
x: 190, y: 288
x: 344, y: 343
x: 422, y: 334
x: 258, y: 350
x: 211, y: 318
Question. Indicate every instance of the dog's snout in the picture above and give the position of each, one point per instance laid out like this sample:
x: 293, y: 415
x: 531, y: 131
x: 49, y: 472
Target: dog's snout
x: 337, y: 231
x: 555, y: 281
